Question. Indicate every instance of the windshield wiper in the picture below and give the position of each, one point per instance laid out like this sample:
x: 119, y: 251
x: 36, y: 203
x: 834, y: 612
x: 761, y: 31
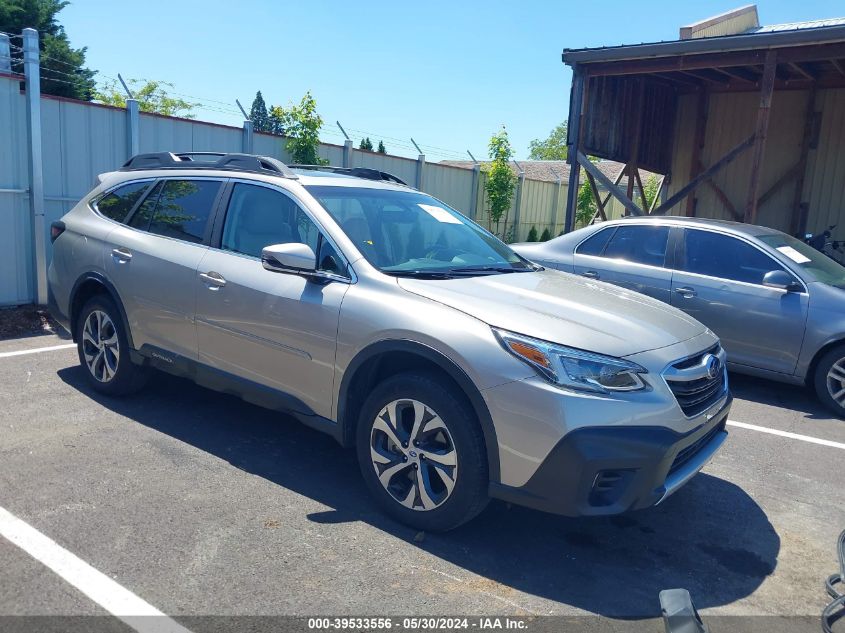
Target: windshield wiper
x: 421, y: 274
x: 490, y: 269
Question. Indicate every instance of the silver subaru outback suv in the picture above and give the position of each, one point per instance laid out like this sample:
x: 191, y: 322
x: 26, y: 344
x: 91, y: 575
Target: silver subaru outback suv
x: 458, y: 370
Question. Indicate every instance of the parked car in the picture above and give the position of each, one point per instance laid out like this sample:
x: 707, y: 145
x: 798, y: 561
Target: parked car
x: 458, y: 370
x: 776, y: 303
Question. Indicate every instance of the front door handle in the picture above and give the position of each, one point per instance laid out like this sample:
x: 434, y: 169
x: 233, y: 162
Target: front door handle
x: 591, y: 274
x: 213, y: 280
x: 686, y: 292
x: 122, y: 255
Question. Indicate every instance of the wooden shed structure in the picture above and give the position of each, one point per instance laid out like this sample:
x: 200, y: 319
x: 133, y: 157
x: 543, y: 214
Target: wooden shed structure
x: 744, y: 122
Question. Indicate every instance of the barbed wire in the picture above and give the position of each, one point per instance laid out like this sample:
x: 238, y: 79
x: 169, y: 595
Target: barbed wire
x: 208, y: 104
x: 19, y: 35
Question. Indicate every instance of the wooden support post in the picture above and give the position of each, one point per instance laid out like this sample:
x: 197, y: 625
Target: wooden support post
x: 723, y: 198
x: 798, y: 226
x: 612, y: 188
x: 704, y: 176
x: 596, y: 197
x: 642, y: 189
x: 697, y: 145
x: 767, y: 85
x: 576, y: 97
x: 654, y: 202
x: 604, y: 202
x: 634, y: 156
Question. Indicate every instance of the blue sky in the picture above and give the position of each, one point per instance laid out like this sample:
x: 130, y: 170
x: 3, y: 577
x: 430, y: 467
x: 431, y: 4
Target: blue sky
x: 447, y: 74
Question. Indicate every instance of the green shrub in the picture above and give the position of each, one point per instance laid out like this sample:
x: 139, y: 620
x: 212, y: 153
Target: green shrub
x: 532, y: 235
x: 546, y: 236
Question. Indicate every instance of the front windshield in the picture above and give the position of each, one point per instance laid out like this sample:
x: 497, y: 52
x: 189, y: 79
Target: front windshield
x: 410, y: 233
x: 822, y: 267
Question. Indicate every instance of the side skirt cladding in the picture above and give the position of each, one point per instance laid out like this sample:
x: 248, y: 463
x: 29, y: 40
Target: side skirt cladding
x: 224, y: 382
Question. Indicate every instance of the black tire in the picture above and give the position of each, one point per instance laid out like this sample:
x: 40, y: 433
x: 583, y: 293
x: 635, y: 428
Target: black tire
x: 823, y: 385
x: 121, y: 376
x: 468, y: 494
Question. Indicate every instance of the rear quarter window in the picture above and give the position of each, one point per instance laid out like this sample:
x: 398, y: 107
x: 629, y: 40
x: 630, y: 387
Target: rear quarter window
x: 117, y: 204
x: 596, y: 243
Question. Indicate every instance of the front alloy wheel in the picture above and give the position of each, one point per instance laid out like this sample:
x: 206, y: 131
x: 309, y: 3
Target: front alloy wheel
x: 100, y: 346
x: 413, y: 455
x: 422, y: 452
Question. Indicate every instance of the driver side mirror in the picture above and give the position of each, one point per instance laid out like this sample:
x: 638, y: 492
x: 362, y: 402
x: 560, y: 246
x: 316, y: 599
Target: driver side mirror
x: 781, y: 280
x: 289, y: 258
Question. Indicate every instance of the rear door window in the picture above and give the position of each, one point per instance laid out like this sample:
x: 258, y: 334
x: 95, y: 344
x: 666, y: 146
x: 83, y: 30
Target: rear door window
x: 725, y: 257
x: 117, y: 204
x: 178, y: 208
x: 639, y: 244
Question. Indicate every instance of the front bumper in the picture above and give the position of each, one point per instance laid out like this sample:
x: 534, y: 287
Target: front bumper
x: 613, y: 469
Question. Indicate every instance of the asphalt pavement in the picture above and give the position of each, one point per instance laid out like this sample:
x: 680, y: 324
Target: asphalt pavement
x: 200, y: 504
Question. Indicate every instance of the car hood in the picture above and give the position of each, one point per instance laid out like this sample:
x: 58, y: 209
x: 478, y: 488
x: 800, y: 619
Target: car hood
x: 564, y: 309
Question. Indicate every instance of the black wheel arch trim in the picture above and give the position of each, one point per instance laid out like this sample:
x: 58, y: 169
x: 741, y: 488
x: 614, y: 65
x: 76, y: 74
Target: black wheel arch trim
x: 452, y: 369
x: 111, y: 290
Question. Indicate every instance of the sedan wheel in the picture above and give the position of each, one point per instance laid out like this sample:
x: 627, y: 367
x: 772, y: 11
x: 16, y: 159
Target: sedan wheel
x: 836, y: 382
x: 413, y: 455
x: 829, y: 380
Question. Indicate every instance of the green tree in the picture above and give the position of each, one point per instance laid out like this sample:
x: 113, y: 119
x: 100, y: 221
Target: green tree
x: 63, y: 70
x: 258, y: 114
x: 532, y: 234
x: 301, y: 124
x: 546, y: 236
x: 366, y: 144
x: 551, y: 148
x: 152, y: 96
x: 586, y: 207
x: 650, y: 188
x: 501, y: 181
x: 381, y: 149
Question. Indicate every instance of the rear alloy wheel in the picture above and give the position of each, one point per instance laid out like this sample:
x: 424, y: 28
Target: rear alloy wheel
x: 100, y: 345
x: 104, y: 349
x: 830, y: 380
x: 422, y: 452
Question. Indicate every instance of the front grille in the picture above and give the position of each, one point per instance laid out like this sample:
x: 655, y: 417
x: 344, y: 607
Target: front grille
x: 693, y: 389
x: 688, y: 452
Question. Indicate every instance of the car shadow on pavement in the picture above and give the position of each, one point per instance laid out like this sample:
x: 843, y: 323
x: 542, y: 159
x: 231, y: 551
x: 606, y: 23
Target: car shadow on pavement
x: 783, y: 396
x: 710, y: 537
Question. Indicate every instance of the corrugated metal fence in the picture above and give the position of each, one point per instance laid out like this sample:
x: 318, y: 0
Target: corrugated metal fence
x: 81, y: 140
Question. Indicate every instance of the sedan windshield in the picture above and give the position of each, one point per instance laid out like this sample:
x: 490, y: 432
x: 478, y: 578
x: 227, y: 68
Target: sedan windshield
x: 407, y: 233
x: 819, y: 265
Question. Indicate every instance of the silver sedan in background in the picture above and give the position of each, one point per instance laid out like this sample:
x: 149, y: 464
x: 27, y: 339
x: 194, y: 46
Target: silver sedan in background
x: 777, y: 304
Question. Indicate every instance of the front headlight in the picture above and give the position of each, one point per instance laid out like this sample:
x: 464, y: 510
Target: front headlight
x: 574, y: 368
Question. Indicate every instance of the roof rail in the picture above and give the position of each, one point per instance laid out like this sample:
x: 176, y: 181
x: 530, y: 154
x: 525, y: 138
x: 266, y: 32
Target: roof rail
x: 357, y: 172
x: 205, y: 160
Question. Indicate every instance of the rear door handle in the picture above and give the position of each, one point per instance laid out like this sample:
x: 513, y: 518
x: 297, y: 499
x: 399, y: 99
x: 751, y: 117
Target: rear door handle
x: 592, y: 274
x: 213, y: 280
x: 686, y: 292
x: 122, y: 255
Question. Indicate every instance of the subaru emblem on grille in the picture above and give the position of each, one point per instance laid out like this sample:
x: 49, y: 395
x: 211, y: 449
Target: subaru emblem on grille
x: 713, y: 366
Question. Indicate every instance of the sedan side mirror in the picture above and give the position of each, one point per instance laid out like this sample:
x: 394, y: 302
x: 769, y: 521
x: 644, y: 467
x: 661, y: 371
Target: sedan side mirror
x: 289, y: 258
x: 781, y: 280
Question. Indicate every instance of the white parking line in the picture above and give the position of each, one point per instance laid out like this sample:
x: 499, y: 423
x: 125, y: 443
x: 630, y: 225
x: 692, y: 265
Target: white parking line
x: 115, y: 599
x: 37, y: 350
x: 792, y: 436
